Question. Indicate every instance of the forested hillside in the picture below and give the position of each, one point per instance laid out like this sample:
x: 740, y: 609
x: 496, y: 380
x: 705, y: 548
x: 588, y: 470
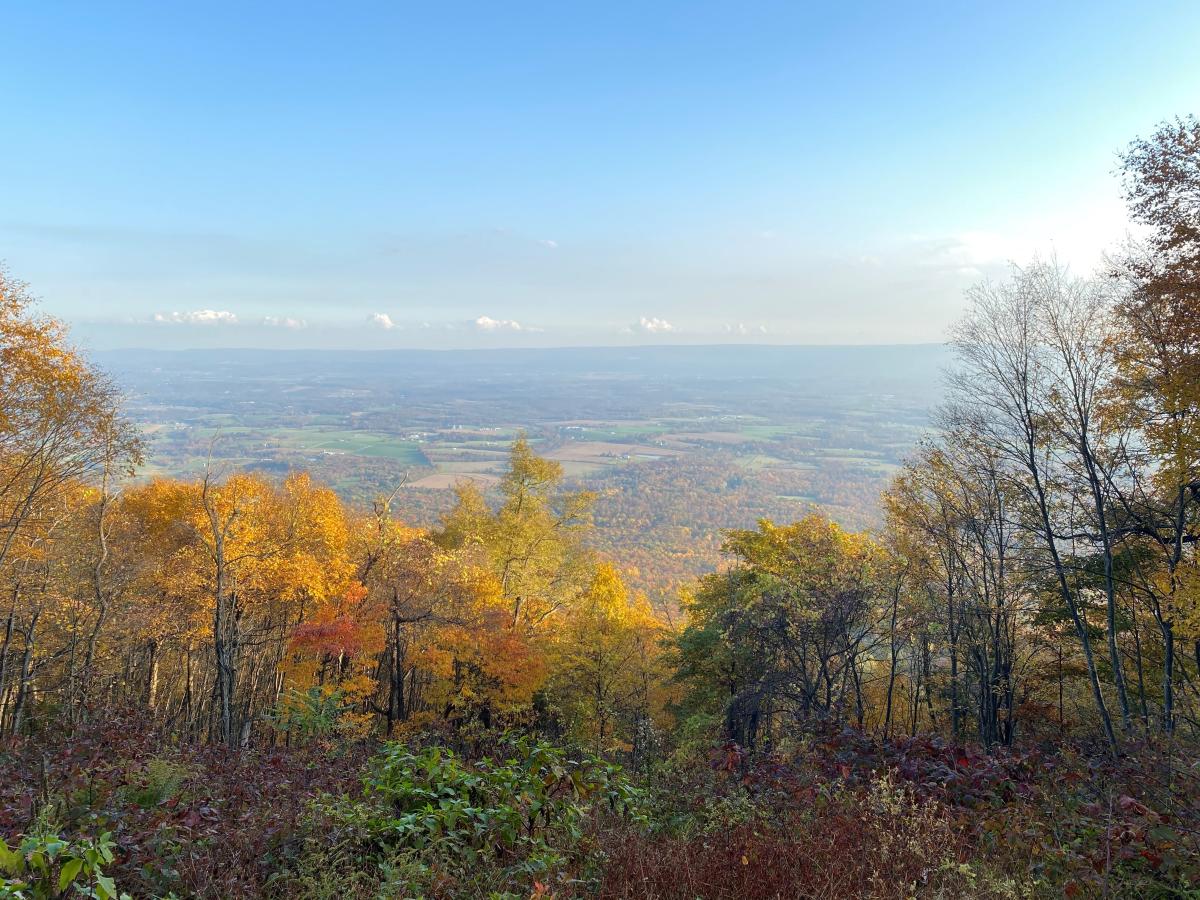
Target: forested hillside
x: 240, y: 684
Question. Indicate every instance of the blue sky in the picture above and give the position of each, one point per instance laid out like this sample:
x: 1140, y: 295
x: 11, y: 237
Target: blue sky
x: 460, y: 174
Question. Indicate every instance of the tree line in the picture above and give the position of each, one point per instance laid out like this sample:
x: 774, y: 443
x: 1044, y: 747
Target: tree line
x: 1035, y: 573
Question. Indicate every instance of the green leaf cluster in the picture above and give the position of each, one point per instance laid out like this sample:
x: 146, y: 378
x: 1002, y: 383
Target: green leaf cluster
x: 44, y: 866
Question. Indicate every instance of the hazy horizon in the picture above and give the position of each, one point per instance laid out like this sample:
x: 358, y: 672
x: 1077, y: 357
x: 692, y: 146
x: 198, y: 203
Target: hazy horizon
x: 511, y: 348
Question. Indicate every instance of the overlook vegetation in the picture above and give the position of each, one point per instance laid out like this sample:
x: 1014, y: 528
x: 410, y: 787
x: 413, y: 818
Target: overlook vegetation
x: 241, y: 685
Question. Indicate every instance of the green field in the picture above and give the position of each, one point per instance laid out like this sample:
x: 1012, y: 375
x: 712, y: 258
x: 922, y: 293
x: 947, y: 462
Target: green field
x: 357, y: 443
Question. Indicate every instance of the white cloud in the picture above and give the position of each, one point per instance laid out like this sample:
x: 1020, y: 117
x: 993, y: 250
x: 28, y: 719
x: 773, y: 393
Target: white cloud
x: 381, y: 320
x: 553, y: 245
x: 198, y: 317
x: 284, y: 322
x: 487, y: 323
x: 653, y: 325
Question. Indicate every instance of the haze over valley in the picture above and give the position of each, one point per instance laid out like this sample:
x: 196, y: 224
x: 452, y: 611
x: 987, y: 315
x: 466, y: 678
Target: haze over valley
x: 680, y: 443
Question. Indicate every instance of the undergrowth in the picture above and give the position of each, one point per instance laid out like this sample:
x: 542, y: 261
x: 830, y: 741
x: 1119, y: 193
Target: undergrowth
x: 507, y: 815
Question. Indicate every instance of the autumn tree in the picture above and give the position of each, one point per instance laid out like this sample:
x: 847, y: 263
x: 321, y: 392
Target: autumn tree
x: 1005, y: 396
x: 60, y: 429
x: 953, y: 515
x: 532, y: 542
x: 605, y: 664
x: 788, y: 628
x: 1156, y: 346
x: 59, y: 416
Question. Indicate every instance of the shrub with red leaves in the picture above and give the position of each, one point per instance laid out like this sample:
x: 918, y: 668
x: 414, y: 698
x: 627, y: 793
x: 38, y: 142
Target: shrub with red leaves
x: 974, y: 823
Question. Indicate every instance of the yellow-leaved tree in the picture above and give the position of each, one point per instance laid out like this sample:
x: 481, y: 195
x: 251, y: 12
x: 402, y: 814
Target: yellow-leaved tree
x: 607, y: 667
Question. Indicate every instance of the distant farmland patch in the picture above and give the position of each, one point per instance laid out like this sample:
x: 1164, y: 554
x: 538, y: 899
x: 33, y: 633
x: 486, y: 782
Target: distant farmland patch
x: 602, y: 452
x: 445, y: 480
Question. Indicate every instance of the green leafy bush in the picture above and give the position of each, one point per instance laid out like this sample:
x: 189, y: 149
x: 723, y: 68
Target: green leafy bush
x: 437, y: 798
x: 43, y: 866
x: 430, y: 819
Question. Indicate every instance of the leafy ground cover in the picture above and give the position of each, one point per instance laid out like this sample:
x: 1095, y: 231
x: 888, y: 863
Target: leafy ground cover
x: 189, y: 820
x: 846, y: 814
x: 841, y: 814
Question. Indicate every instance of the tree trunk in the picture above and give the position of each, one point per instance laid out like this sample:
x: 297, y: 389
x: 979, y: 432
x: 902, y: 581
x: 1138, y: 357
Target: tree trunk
x: 1069, y: 598
x: 26, y: 671
x: 152, y: 675
x: 887, y: 714
x: 1168, y: 723
x: 1110, y: 590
